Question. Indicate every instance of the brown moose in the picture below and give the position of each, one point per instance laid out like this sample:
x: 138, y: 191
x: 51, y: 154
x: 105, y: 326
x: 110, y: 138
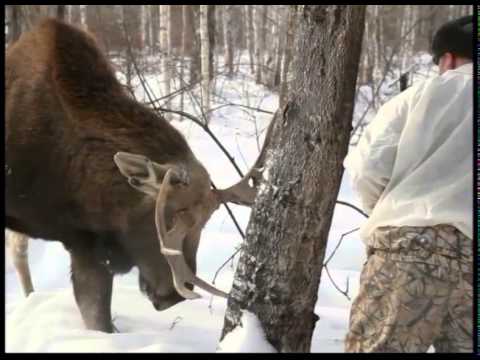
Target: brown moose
x: 73, y: 134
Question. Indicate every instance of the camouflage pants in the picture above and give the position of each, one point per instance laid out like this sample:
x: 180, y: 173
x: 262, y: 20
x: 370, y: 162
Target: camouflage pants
x: 415, y: 291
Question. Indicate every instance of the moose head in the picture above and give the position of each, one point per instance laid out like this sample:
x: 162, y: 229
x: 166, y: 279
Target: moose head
x: 184, y: 202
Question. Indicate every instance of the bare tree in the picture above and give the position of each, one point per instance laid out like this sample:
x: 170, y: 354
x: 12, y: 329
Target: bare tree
x: 260, y: 17
x: 61, y: 12
x: 228, y: 38
x: 76, y: 17
x: 205, y: 50
x: 211, y: 21
x: 155, y: 26
x: 192, y: 13
x: 84, y: 15
x: 143, y: 26
x: 250, y: 36
x: 279, y: 271
x: 280, y: 38
x: 13, y: 22
x: 165, y: 46
x: 287, y: 58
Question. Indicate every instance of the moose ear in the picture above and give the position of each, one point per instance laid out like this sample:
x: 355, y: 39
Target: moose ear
x: 142, y: 173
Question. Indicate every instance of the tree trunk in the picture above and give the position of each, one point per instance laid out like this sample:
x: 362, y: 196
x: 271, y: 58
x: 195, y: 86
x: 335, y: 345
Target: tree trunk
x: 287, y: 58
x: 184, y: 55
x: 205, y: 56
x: 61, y: 12
x: 279, y: 271
x: 259, y: 19
x: 228, y: 38
x: 193, y: 13
x: 211, y: 40
x: 280, y: 35
x: 14, y: 29
x: 143, y: 26
x: 76, y: 14
x: 378, y: 69
x: 84, y: 15
x: 165, y: 47
x: 155, y: 24
x: 250, y: 37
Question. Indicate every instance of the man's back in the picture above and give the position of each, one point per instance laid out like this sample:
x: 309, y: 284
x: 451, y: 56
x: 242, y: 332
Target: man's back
x: 413, y: 166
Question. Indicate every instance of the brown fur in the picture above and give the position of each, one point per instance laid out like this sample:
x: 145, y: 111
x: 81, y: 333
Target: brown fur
x: 66, y: 117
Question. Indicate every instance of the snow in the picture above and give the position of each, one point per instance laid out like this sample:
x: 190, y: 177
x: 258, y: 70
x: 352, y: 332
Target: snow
x: 49, y: 321
x: 249, y: 337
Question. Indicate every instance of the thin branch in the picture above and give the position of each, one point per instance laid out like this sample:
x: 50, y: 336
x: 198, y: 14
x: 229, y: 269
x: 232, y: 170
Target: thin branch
x: 242, y: 106
x: 175, y: 322
x: 209, y: 132
x: 225, y: 263
x: 338, y: 245
x: 351, y: 206
x: 343, y: 292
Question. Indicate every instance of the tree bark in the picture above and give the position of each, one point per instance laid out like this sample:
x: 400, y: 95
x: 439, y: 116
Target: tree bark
x: 205, y: 51
x: 143, y: 26
x: 155, y: 25
x: 259, y: 19
x: 165, y: 47
x: 211, y: 23
x: 250, y: 36
x: 193, y: 28
x: 279, y: 271
x: 287, y: 58
x: 14, y: 29
x: 76, y: 14
x: 61, y: 12
x: 280, y: 35
x: 228, y: 38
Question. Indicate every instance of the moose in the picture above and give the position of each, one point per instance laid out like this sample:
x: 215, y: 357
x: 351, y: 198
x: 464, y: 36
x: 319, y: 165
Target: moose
x: 108, y: 177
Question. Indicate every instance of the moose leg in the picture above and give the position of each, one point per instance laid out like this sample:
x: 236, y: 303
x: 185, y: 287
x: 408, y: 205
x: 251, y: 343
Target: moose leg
x: 18, y: 244
x: 92, y: 287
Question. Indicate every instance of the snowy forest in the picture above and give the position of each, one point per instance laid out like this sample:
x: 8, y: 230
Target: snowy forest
x: 220, y: 74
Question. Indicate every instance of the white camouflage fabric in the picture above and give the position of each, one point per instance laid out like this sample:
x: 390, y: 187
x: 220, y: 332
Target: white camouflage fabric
x: 413, y: 166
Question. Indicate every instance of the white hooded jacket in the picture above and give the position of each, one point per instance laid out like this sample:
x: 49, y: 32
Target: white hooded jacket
x: 413, y: 166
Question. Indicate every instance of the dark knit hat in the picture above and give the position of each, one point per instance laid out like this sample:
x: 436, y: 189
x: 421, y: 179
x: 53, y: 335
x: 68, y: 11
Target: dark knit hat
x: 456, y: 37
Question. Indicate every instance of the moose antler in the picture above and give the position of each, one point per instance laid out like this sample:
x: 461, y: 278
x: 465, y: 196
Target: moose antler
x: 171, y: 242
x: 242, y: 193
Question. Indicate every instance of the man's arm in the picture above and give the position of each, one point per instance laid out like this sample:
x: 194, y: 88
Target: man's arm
x: 370, y: 163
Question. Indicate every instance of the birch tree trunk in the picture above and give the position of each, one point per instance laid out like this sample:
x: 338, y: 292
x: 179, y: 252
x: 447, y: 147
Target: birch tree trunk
x: 259, y: 17
x: 143, y: 26
x: 155, y: 26
x: 280, y: 35
x: 279, y: 271
x: 287, y: 58
x: 250, y: 36
x: 76, y: 14
x: 193, y: 31
x: 61, y: 12
x: 165, y: 47
x: 211, y: 40
x: 378, y: 48
x: 228, y: 38
x: 83, y: 16
x: 184, y: 54
x: 14, y: 29
x: 205, y: 55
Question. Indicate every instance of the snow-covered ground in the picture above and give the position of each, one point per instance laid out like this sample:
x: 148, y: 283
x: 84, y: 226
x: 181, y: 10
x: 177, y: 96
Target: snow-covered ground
x: 49, y: 321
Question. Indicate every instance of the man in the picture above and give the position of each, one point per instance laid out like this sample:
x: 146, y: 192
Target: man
x: 413, y: 172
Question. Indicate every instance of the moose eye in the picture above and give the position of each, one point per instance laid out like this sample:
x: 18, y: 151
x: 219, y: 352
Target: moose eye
x: 134, y: 181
